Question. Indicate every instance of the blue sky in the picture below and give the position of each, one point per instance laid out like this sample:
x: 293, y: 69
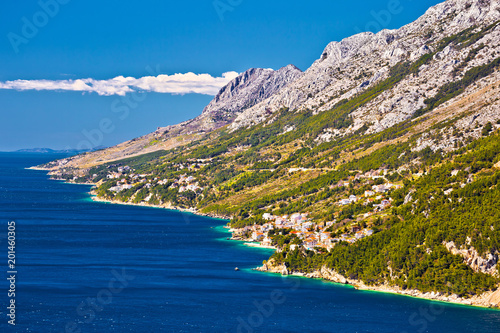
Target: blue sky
x: 102, y: 40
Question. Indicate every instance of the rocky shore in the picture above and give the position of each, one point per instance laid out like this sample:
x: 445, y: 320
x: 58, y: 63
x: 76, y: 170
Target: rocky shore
x: 94, y: 197
x: 489, y: 299
x: 164, y: 206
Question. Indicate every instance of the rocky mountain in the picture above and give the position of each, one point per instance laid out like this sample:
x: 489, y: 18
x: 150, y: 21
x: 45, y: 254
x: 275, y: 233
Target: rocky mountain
x: 346, y: 69
x: 355, y: 64
x: 243, y: 92
x: 246, y: 90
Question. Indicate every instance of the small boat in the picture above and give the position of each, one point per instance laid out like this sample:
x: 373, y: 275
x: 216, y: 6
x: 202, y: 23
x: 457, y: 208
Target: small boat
x: 236, y: 269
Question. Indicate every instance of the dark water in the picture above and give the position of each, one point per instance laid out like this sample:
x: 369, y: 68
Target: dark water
x: 94, y: 267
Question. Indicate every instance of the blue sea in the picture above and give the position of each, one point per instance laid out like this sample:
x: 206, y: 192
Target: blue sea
x: 84, y: 266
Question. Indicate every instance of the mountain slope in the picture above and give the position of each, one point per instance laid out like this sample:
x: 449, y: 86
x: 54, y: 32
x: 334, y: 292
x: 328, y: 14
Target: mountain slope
x: 354, y: 64
x: 390, y: 181
x: 249, y: 88
x: 246, y: 90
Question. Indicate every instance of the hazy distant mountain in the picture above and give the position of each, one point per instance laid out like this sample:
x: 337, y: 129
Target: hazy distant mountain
x: 56, y: 151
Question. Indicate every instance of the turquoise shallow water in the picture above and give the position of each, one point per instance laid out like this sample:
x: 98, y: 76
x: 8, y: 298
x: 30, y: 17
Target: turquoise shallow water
x: 94, y: 267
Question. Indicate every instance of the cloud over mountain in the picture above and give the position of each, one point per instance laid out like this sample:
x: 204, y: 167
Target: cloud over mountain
x: 176, y: 84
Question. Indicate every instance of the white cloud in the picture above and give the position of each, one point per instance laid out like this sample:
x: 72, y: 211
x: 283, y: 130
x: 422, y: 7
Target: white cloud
x: 176, y: 84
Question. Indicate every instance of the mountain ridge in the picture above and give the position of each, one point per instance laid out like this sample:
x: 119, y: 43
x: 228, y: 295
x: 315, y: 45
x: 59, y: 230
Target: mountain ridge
x: 385, y: 49
x: 244, y: 91
x: 333, y: 77
x: 247, y: 89
x: 55, y: 151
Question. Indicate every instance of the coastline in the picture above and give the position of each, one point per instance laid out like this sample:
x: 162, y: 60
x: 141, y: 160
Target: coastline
x: 95, y: 198
x: 487, y: 300
x: 37, y: 168
x: 258, y: 245
x: 164, y: 206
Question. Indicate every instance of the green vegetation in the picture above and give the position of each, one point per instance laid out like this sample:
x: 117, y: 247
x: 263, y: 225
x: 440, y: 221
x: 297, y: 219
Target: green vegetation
x: 453, y: 89
x: 441, y: 196
x: 411, y: 244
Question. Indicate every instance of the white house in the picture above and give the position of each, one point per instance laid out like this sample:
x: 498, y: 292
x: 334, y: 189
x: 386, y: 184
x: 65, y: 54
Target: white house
x: 267, y: 216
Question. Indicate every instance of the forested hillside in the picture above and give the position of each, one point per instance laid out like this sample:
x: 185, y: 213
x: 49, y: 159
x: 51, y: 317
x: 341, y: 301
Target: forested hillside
x: 388, y: 180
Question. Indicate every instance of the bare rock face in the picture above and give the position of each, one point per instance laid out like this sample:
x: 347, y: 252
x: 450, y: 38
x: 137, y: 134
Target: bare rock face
x: 486, y: 264
x: 244, y: 91
x: 331, y: 275
x: 250, y: 88
x: 494, y: 298
x: 358, y: 62
x: 273, y: 267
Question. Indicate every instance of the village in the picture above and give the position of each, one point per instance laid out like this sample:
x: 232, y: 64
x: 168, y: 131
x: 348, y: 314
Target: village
x: 313, y: 236
x: 127, y: 180
x: 316, y: 236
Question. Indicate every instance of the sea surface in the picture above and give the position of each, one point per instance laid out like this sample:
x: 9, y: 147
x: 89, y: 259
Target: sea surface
x: 84, y: 266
